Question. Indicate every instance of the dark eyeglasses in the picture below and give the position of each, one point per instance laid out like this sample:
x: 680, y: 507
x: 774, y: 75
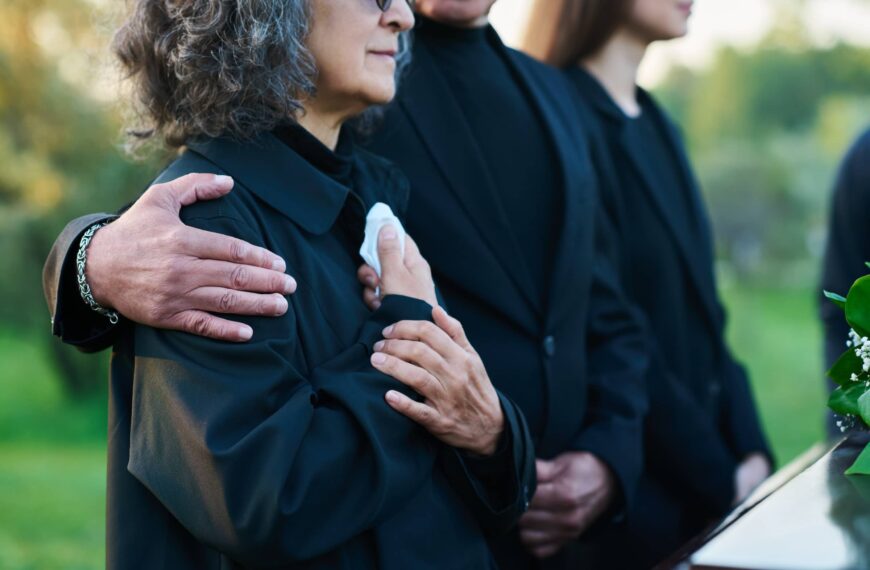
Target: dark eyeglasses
x: 384, y: 5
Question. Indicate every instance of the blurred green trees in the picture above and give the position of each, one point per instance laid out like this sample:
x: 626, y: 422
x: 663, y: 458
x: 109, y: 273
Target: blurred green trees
x: 59, y: 156
x: 766, y: 129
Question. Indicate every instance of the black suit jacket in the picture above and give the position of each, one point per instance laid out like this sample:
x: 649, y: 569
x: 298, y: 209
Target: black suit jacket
x: 575, y: 367
x: 281, y: 452
x: 702, y: 417
x: 848, y: 247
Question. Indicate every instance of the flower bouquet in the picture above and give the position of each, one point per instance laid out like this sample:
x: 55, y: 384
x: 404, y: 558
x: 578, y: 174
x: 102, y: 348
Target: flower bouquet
x: 851, y: 372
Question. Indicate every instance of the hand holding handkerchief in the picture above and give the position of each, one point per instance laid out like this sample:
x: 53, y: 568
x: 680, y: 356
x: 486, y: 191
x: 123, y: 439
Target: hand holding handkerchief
x: 379, y: 216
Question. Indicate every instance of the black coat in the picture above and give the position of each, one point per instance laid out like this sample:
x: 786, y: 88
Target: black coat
x: 702, y: 419
x: 281, y: 452
x: 848, y: 247
x: 574, y: 368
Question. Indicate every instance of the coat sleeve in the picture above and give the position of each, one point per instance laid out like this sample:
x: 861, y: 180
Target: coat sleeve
x: 260, y: 456
x: 498, y: 488
x: 71, y: 319
x: 618, y: 364
x: 684, y: 441
x: 740, y: 414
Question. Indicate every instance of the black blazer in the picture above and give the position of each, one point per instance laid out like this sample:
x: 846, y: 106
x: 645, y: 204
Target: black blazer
x: 576, y: 367
x: 281, y: 452
x: 702, y: 418
x: 848, y: 247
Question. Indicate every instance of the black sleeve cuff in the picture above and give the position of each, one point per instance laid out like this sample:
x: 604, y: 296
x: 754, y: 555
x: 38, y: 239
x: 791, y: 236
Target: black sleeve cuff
x: 74, y: 321
x: 498, y: 488
x: 394, y: 308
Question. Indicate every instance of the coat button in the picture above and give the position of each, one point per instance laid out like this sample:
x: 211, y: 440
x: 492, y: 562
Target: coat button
x: 549, y: 345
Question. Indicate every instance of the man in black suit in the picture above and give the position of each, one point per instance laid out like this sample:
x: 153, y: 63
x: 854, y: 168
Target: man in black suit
x: 504, y: 208
x: 848, y: 246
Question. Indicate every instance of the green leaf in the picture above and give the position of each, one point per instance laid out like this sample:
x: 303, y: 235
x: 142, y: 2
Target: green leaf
x: 862, y: 464
x: 844, y: 400
x: 838, y: 300
x: 867, y: 263
x: 842, y: 370
x: 858, y: 306
x: 864, y: 407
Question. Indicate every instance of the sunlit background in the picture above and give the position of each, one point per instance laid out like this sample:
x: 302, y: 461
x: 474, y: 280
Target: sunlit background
x: 769, y: 95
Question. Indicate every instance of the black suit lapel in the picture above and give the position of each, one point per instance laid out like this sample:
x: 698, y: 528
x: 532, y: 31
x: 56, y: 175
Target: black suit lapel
x: 567, y: 268
x: 454, y: 149
x: 697, y: 256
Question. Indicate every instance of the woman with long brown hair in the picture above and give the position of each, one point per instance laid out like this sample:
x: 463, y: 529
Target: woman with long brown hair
x: 704, y: 447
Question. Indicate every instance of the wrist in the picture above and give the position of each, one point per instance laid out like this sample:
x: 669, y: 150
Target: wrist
x: 494, y: 433
x: 81, y: 275
x: 97, y: 266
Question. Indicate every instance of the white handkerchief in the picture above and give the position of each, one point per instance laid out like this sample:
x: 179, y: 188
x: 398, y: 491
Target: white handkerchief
x: 379, y: 216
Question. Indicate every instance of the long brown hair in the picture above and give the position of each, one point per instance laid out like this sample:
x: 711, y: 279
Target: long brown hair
x: 563, y: 32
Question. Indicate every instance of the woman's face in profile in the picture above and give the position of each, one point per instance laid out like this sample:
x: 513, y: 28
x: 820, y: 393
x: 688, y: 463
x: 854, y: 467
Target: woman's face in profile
x: 656, y: 20
x: 354, y: 44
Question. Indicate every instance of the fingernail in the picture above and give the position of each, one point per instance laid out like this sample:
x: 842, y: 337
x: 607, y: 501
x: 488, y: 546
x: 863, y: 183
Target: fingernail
x: 289, y: 285
x: 245, y: 333
x: 388, y: 330
x: 379, y: 345
x: 378, y: 358
x: 223, y: 180
x: 281, y: 305
x: 279, y: 264
x: 389, y: 232
x: 392, y: 396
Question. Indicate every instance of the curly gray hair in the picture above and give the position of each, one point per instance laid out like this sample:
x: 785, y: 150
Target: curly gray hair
x: 209, y: 68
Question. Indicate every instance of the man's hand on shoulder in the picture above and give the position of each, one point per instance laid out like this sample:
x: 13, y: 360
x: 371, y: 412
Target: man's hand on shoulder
x: 154, y: 270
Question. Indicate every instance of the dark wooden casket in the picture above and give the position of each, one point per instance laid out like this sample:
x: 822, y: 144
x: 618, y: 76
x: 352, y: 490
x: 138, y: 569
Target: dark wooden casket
x: 809, y: 516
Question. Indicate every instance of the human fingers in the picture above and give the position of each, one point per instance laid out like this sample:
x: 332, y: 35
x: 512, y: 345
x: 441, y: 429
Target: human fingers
x: 202, y: 244
x: 232, y: 302
x: 413, y: 352
x: 408, y: 374
x: 545, y: 471
x: 371, y: 299
x: 224, y: 274
x: 187, y: 189
x: 424, y: 415
x: 204, y: 324
x: 427, y: 332
x: 451, y: 326
x: 389, y: 250
x: 367, y: 276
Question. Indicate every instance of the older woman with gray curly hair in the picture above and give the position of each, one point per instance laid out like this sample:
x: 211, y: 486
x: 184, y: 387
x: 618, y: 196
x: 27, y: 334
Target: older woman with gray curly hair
x: 294, y: 450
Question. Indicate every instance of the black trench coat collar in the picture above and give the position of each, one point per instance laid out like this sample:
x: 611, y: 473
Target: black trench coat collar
x: 454, y: 149
x: 281, y: 178
x: 685, y: 236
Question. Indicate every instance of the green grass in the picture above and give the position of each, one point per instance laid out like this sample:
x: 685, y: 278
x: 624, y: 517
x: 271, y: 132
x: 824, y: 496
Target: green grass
x: 52, y: 451
x: 52, y: 506
x: 777, y: 335
x: 52, y: 466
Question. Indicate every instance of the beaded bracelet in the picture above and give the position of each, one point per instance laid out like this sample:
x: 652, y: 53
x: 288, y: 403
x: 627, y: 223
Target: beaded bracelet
x: 84, y: 288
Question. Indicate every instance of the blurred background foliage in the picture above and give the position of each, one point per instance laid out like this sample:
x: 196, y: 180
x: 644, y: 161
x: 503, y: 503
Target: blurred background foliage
x: 766, y: 127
